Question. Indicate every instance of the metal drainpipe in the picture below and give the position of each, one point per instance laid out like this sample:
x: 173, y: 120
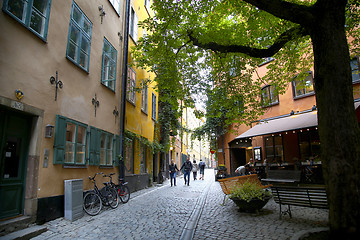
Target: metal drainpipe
x: 123, y: 92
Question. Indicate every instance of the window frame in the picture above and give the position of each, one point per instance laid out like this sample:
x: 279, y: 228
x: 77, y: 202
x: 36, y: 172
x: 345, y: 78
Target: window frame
x: 270, y: 94
x: 305, y: 93
x: 129, y: 153
x: 147, y: 4
x: 131, y: 86
x: 81, y: 37
x: 153, y: 106
x: 28, y: 11
x: 356, y: 58
x: 105, y: 82
x: 113, y: 4
x: 143, y: 158
x: 275, y: 157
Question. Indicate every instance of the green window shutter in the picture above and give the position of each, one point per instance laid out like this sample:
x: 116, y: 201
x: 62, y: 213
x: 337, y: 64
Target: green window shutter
x: 117, y: 150
x: 94, y: 148
x: 60, y: 140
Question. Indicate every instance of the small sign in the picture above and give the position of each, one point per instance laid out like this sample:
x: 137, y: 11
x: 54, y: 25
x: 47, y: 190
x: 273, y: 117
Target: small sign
x: 17, y: 105
x: 220, y: 150
x: 8, y: 154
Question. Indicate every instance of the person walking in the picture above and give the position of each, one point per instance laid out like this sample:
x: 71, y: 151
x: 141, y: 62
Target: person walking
x: 194, y: 169
x: 202, y: 168
x: 172, y: 170
x: 187, y: 166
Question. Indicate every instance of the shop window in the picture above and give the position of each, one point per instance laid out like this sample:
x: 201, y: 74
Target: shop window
x: 33, y: 14
x: 355, y: 66
x: 257, y: 153
x: 268, y: 96
x: 79, y: 39
x: 309, y: 144
x: 108, y: 70
x: 303, y: 85
x: 274, y: 149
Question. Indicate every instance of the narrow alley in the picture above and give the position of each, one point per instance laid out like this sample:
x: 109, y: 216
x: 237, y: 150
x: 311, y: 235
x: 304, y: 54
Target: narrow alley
x: 186, y: 212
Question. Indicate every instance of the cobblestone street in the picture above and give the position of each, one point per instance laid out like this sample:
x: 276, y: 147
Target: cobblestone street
x: 180, y: 212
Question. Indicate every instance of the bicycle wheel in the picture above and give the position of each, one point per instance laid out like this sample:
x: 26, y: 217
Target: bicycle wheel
x: 124, y: 193
x: 92, y: 203
x: 112, y: 198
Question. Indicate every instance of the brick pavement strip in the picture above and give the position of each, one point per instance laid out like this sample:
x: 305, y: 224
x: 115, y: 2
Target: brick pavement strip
x: 163, y: 212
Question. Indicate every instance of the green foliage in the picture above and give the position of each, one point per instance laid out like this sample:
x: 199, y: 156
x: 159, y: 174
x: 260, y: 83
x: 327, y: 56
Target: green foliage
x: 227, y: 77
x: 248, y: 191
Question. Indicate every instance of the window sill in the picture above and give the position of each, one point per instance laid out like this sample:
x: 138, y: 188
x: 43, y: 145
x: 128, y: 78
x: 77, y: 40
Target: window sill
x: 144, y: 112
x: 106, y: 166
x: 304, y: 96
x: 271, y: 105
x: 112, y: 90
x: 77, y: 65
x: 132, y: 103
x: 67, y: 165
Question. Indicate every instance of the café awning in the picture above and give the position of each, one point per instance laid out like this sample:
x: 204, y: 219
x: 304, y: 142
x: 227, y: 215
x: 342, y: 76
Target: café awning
x: 288, y: 123
x: 292, y: 122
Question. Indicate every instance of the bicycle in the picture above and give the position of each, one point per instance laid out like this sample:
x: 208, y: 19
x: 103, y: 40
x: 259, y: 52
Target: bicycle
x: 95, y: 199
x: 121, y: 189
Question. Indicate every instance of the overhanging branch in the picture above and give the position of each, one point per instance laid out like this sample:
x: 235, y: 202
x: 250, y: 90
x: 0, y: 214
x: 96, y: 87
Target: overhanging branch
x: 284, y: 38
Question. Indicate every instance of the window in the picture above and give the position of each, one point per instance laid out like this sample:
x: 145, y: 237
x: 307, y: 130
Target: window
x: 153, y: 109
x: 106, y: 149
x: 144, y: 98
x: 108, y: 72
x: 131, y: 87
x: 79, y: 39
x: 116, y: 5
x: 274, y: 149
x: 303, y: 85
x: 33, y: 14
x: 143, y: 158
x: 129, y: 155
x: 309, y: 144
x: 355, y: 70
x: 70, y: 141
x: 133, y: 31
x: 257, y: 153
x: 268, y: 96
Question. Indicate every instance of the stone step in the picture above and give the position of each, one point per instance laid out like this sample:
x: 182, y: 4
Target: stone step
x: 14, y: 224
x: 26, y: 233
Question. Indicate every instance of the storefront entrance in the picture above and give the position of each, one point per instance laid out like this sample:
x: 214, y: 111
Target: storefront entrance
x: 14, y: 142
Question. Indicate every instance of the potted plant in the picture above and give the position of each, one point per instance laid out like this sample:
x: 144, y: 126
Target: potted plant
x: 249, y: 197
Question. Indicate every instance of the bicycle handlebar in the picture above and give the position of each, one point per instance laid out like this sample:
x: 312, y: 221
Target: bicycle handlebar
x: 93, y: 178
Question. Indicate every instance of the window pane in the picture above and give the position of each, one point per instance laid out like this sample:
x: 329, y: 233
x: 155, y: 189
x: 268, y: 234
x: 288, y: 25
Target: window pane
x: 86, y: 27
x: 69, y: 152
x: 40, y: 5
x: 77, y: 16
x: 83, y: 60
x: 355, y: 70
x: 85, y: 45
x: 18, y: 8
x: 37, y: 23
x: 80, y: 154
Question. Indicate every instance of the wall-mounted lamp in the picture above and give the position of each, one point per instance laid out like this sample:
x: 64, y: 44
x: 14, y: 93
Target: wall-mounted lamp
x: 102, y: 12
x: 120, y: 36
x: 57, y: 82
x: 171, y: 148
x: 313, y: 108
x: 292, y: 112
x: 49, y: 131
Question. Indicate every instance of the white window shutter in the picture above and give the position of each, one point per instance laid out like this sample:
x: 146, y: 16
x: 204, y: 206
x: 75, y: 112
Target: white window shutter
x: 135, y: 27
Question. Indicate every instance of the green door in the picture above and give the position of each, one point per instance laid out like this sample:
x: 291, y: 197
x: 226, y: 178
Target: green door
x: 14, y: 141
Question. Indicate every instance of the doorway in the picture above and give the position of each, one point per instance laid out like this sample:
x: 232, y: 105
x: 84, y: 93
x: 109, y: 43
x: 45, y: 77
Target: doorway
x: 14, y: 142
x: 238, y: 158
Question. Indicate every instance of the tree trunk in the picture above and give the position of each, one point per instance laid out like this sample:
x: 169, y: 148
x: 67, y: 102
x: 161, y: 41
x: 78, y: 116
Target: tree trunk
x: 338, y: 127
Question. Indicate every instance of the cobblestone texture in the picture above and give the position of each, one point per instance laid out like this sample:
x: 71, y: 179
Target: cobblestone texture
x: 162, y: 212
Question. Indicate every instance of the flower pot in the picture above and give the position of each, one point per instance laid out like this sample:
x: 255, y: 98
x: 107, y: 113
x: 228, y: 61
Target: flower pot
x: 252, y: 206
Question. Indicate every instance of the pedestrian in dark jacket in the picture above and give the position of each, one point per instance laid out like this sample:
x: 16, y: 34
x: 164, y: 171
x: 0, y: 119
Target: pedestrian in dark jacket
x: 202, y: 168
x: 187, y: 166
x: 172, y: 170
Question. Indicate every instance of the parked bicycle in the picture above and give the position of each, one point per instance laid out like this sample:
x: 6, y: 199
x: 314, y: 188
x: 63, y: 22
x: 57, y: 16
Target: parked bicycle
x: 121, y: 189
x: 95, y: 199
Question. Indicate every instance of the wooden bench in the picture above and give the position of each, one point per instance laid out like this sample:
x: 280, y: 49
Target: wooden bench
x: 313, y: 197
x: 282, y: 176
x: 228, y: 183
